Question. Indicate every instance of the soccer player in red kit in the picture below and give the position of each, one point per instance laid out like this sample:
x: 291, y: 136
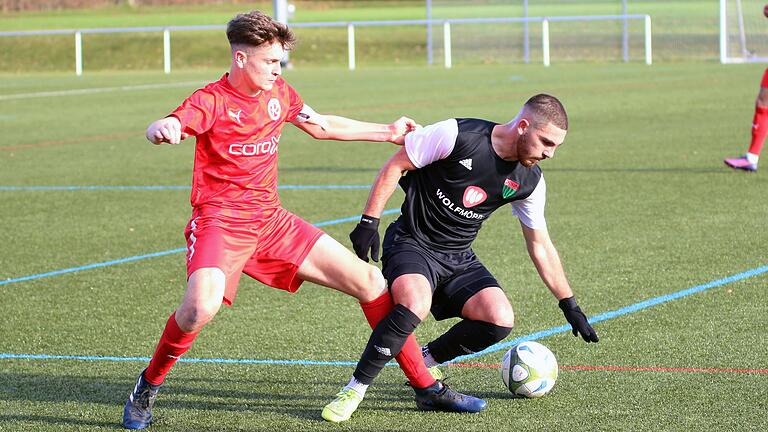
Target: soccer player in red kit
x: 237, y: 224
x: 748, y: 162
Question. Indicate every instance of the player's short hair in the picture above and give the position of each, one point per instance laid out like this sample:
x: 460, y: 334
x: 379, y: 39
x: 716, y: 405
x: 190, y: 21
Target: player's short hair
x: 547, y: 109
x: 255, y: 28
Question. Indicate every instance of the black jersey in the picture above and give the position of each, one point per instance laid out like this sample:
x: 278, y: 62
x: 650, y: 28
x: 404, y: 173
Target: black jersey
x: 447, y: 201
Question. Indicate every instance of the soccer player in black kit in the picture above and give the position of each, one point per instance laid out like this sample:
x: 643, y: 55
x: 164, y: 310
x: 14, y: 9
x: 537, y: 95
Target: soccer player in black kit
x: 458, y: 172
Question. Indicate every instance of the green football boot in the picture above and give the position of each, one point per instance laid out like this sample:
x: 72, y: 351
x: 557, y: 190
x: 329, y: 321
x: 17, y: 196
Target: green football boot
x: 342, y: 408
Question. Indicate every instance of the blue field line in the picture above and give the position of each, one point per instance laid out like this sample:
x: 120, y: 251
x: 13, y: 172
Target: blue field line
x: 324, y: 187
x: 181, y: 360
x: 90, y: 188
x: 91, y: 266
x: 170, y: 187
x: 154, y: 254
x: 353, y: 218
x: 492, y: 349
x: 619, y: 312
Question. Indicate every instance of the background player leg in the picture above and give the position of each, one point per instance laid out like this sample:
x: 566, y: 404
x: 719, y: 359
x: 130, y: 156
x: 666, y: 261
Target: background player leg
x: 749, y: 161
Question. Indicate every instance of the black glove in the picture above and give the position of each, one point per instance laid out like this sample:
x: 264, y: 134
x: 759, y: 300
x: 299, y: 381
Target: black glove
x: 365, y: 237
x: 577, y: 320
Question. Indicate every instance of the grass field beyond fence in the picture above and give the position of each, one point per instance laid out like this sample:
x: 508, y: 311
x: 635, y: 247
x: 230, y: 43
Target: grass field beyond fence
x: 639, y: 205
x: 683, y: 30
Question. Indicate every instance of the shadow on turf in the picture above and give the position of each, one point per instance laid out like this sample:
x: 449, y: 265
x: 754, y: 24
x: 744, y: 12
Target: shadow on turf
x: 266, y: 396
x: 51, y: 420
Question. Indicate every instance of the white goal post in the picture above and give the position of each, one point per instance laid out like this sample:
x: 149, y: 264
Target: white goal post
x: 743, y: 31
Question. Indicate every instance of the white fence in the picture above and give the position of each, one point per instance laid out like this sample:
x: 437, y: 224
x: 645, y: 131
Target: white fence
x: 351, y: 25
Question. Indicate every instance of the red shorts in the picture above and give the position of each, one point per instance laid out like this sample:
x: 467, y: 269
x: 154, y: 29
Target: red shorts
x: 764, y: 81
x: 268, y: 245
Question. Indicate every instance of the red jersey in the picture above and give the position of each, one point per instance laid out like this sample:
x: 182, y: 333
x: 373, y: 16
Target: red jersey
x: 237, y: 141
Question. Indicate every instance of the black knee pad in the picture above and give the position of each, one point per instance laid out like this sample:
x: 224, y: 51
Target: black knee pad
x: 484, y: 334
x: 466, y: 337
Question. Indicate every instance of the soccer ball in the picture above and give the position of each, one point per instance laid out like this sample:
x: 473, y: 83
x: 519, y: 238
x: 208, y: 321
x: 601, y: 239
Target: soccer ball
x: 529, y: 369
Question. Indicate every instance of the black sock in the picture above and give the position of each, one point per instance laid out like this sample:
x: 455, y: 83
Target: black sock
x: 385, y: 342
x: 464, y: 338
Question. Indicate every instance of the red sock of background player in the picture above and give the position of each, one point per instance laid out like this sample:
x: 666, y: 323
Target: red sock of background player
x: 410, y: 359
x: 759, y: 130
x: 173, y: 343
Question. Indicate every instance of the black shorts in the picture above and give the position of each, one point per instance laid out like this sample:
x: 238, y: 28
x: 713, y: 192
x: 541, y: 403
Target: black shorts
x: 454, y: 277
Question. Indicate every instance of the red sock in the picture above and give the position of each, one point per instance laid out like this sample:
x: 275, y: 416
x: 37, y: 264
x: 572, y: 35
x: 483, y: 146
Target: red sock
x: 410, y: 359
x: 759, y: 130
x: 173, y: 343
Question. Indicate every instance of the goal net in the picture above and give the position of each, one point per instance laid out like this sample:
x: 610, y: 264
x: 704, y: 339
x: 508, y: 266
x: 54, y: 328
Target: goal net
x: 581, y: 38
x: 743, y: 31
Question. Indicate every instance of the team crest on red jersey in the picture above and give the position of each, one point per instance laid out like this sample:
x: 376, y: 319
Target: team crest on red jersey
x: 473, y: 196
x: 273, y: 109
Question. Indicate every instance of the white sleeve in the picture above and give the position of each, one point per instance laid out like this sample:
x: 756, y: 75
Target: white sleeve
x: 431, y: 143
x: 308, y: 115
x: 530, y: 211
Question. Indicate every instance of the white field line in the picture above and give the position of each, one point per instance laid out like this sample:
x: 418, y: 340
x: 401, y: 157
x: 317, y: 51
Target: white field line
x: 86, y: 91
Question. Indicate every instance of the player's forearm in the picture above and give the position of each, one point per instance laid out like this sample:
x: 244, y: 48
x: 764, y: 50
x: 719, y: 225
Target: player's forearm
x: 550, y: 268
x: 346, y: 129
x: 383, y: 188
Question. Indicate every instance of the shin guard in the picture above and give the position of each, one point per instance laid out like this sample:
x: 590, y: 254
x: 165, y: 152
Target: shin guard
x: 466, y: 337
x: 409, y: 359
x: 386, y: 341
x: 173, y: 343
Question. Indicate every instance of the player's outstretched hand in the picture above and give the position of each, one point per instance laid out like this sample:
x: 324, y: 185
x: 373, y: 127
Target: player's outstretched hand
x: 365, y: 237
x: 166, y: 130
x: 577, y: 320
x: 400, y: 128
